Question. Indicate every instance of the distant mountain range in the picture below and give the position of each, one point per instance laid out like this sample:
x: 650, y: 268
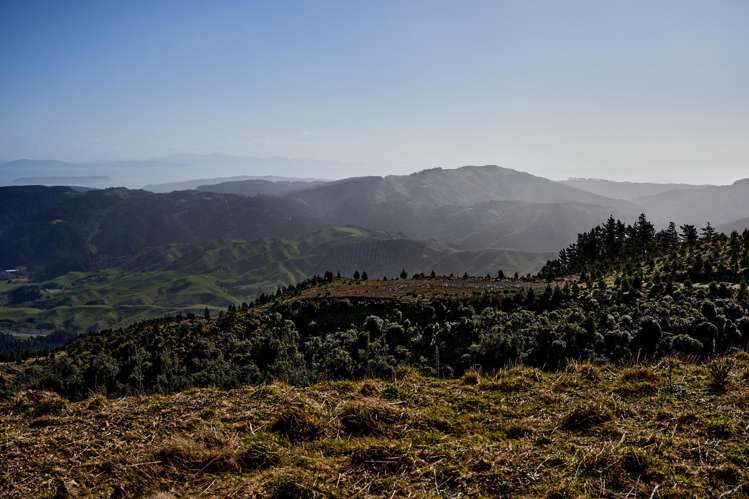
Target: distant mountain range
x: 255, y: 187
x: 167, y: 169
x: 717, y: 204
x: 736, y: 225
x: 474, y: 208
x: 92, y: 181
x: 107, y: 257
x: 58, y: 229
x: 231, y: 185
x: 630, y: 191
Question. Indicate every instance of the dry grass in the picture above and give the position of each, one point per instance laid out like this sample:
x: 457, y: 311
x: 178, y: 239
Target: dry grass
x: 471, y: 377
x: 368, y: 417
x: 36, y: 403
x: 587, y: 417
x: 585, y: 370
x: 639, y: 374
x: 382, y: 458
x: 418, y: 436
x: 411, y: 290
x: 298, y: 421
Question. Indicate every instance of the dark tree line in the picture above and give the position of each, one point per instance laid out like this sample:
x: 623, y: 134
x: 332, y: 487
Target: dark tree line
x: 615, y: 242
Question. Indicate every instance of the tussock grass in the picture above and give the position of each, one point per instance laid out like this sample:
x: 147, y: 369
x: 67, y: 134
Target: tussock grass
x: 586, y: 370
x: 369, y: 389
x: 379, y: 458
x: 295, y: 484
x: 639, y: 374
x: 189, y: 453
x: 471, y: 377
x: 36, y: 403
x: 587, y: 416
x: 217, y: 452
x: 298, y: 421
x: 741, y: 356
x: 368, y: 417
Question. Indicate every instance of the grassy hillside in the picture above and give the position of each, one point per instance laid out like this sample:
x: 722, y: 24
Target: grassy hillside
x: 585, y: 431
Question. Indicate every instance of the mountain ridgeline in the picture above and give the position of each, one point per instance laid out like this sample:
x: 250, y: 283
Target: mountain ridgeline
x: 55, y: 230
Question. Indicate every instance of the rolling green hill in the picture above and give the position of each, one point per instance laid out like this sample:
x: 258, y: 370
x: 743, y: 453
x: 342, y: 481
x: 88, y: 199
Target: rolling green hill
x: 174, y: 278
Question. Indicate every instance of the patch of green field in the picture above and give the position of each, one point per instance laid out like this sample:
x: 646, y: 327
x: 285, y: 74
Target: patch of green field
x: 79, y: 302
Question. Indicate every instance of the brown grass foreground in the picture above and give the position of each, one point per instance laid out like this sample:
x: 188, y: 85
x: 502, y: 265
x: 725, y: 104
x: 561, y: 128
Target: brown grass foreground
x: 641, y: 431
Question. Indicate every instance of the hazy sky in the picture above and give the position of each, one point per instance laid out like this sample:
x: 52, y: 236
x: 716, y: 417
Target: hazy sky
x: 638, y: 90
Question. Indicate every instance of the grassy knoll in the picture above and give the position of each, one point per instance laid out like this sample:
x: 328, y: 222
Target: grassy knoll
x: 672, y: 429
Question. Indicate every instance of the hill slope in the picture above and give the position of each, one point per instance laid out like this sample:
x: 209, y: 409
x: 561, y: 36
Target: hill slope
x: 738, y: 226
x: 55, y: 230
x: 472, y: 207
x: 466, y: 186
x: 523, y: 433
x: 186, y: 277
x: 630, y: 191
x: 718, y: 204
x: 254, y: 187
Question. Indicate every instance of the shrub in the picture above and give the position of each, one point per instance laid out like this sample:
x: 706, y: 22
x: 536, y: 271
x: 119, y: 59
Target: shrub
x: 649, y: 334
x: 720, y: 371
x: 685, y: 344
x: 708, y: 310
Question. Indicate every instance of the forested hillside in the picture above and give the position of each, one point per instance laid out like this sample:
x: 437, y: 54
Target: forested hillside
x: 606, y: 381
x: 654, y: 301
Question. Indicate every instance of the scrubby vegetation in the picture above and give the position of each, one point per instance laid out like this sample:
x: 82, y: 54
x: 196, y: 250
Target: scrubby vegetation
x: 634, y: 312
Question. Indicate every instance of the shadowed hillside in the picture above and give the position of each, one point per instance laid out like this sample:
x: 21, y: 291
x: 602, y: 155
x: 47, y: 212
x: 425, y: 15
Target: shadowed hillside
x: 718, y: 204
x: 630, y: 191
x: 256, y: 187
x: 472, y: 207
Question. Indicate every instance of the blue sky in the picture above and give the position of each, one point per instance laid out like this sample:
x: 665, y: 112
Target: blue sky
x: 650, y: 90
